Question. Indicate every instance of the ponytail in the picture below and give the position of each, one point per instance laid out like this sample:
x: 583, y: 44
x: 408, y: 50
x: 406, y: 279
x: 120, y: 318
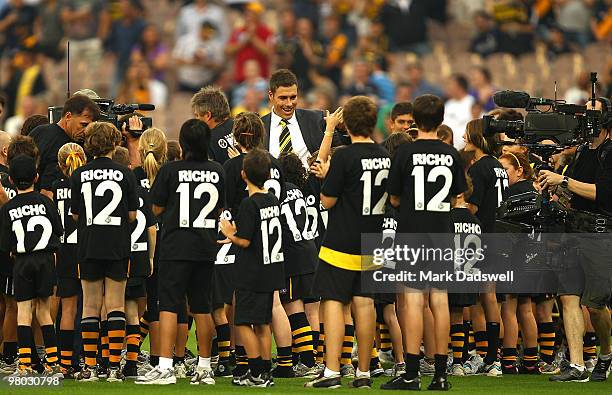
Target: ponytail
x: 153, y: 150
x: 70, y: 157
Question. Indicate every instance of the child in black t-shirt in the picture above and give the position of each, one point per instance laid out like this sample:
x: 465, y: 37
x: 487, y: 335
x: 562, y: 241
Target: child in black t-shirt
x: 190, y: 195
x: 103, y: 203
x: 70, y: 157
x: 258, y: 233
x: 354, y: 192
x: 490, y: 185
x: 31, y: 231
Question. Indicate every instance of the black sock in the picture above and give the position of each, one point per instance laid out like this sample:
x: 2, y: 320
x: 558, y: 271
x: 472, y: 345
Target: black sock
x: 493, y: 340
x: 223, y: 342
x: 267, y: 365
x: 154, y: 360
x: 347, y: 345
x: 457, y: 342
x: 90, y: 331
x: 50, y: 340
x: 66, y: 340
x: 25, y: 338
x: 256, y: 366
x: 440, y: 364
x: 132, y: 340
x: 10, y: 352
x: 301, y: 334
x: 321, y: 344
x: 546, y: 341
x: 509, y: 356
x: 412, y: 365
x: 480, y: 338
x: 116, y: 336
x: 530, y: 357
x: 589, y: 347
x: 284, y: 357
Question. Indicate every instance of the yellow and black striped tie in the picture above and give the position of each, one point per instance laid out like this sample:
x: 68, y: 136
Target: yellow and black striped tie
x: 285, y: 138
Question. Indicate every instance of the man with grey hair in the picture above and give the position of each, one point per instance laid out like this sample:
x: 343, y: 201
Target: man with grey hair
x: 210, y: 106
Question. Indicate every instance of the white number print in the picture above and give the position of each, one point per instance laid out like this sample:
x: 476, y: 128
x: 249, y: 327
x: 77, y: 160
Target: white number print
x: 141, y: 224
x: 72, y: 237
x: 300, y: 205
x: 268, y: 228
x: 366, y: 178
x: 201, y: 221
x: 501, y: 184
x: 463, y: 264
x: 436, y: 203
x: 31, y: 224
x: 104, y: 217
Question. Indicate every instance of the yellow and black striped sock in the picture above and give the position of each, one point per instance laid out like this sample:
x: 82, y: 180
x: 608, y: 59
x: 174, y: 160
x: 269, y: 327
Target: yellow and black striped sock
x: 347, y: 345
x: 50, y: 340
x: 242, y: 361
x: 546, y: 341
x: 481, y: 343
x: 66, y: 338
x: 509, y: 356
x: 104, y: 350
x: 224, y: 342
x: 301, y: 335
x: 25, y: 339
x: 469, y: 336
x: 116, y: 336
x: 321, y: 344
x: 385, y: 338
x: 90, y: 331
x: 132, y: 341
x: 457, y: 342
x: 284, y: 357
x: 530, y: 357
x: 589, y: 346
x: 374, y: 361
x: 144, y: 329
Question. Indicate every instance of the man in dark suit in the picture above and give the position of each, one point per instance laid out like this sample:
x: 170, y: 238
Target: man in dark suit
x: 291, y: 129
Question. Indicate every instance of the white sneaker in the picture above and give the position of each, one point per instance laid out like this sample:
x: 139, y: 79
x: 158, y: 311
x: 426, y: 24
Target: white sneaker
x: 397, y: 370
x: 157, y: 376
x: 203, y: 376
x: 427, y: 368
x: 457, y: 370
x: 473, y: 364
x: 386, y: 356
x: 355, y: 353
x: 144, y: 369
x: 180, y: 371
x: 590, y: 364
x: 493, y: 370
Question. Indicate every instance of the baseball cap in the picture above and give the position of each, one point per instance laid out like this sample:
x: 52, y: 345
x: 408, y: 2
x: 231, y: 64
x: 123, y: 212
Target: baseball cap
x: 22, y: 170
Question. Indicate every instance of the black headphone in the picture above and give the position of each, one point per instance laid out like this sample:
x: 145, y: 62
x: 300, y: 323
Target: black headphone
x: 606, y: 116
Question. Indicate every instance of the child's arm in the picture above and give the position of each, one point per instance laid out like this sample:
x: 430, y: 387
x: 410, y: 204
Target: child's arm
x: 229, y: 230
x: 328, y: 201
x: 152, y: 231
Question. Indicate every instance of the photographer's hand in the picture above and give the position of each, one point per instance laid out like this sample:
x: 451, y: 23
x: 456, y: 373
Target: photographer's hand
x: 135, y: 124
x: 549, y: 178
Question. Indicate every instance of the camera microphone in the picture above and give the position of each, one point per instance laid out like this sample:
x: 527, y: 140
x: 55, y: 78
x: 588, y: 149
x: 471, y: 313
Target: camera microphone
x: 511, y: 99
x: 130, y: 108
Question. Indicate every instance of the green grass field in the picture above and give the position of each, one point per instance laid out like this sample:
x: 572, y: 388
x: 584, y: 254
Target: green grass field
x: 461, y: 385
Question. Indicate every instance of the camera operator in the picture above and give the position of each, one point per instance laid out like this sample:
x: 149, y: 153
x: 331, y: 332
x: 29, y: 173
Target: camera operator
x: 78, y: 112
x: 590, y: 182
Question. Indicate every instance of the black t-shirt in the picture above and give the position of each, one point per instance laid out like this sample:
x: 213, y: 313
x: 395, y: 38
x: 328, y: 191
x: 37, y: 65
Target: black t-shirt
x: 32, y: 224
x: 312, y: 193
x: 468, y: 230
x: 426, y: 174
x: 357, y: 177
x: 299, y: 231
x: 522, y: 186
x: 103, y: 193
x: 67, y: 254
x: 236, y: 188
x: 142, y: 179
x: 585, y: 169
x: 192, y: 193
x: 490, y: 182
x: 6, y: 260
x: 139, y: 257
x: 49, y: 139
x: 260, y: 265
x: 220, y: 139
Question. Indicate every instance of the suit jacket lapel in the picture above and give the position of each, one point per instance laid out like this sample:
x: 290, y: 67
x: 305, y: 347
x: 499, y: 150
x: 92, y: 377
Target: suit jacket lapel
x: 267, y: 120
x: 304, y: 129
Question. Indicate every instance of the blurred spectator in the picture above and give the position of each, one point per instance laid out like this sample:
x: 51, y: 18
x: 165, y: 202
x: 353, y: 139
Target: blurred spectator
x: 556, y: 44
x: 16, y: 23
x: 199, y: 58
x: 513, y: 19
x: 405, y: 25
x: 33, y: 121
x: 27, y: 108
x: 445, y: 134
x: 482, y: 88
x: 320, y: 99
x: 335, y: 47
x: 374, y: 46
x: 125, y: 33
x: 251, y: 102
x: 601, y: 23
x: 191, y: 17
x: 420, y: 86
x: 403, y: 93
x: 2, y: 106
x: 252, y: 80
x: 253, y: 41
x: 174, y: 150
x: 488, y: 38
x: 49, y: 29
x: 139, y: 86
x: 86, y: 24
x: 458, y: 108
x: 606, y: 78
x: 361, y: 84
x: 380, y: 79
x: 574, y: 18
x: 285, y: 42
x: 26, y: 79
x: 581, y: 91
x: 151, y: 49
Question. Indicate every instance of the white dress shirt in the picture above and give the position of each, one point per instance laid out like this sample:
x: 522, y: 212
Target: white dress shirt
x: 457, y: 113
x: 297, y: 141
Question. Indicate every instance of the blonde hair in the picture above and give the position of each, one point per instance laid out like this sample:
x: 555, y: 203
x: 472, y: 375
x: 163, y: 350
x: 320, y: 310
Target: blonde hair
x: 70, y: 157
x: 153, y: 149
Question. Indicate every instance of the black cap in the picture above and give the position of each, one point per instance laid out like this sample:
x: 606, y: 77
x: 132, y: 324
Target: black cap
x: 22, y: 170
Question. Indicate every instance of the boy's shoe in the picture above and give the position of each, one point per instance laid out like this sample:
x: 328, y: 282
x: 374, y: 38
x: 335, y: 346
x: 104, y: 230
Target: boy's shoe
x: 102, y: 372
x: 361, y: 382
x: 238, y: 373
x: 87, y: 374
x: 130, y: 372
x: 325, y: 382
x: 283, y: 372
x: 68, y: 373
x: 203, y: 376
x: 301, y: 370
x: 386, y: 356
x: 590, y: 364
x: 396, y: 370
x: 427, y: 368
x: 223, y: 370
x: 510, y: 369
x: 522, y: 369
x: 457, y: 370
x: 473, y: 364
x: 25, y: 372
x: 571, y: 374
x: 403, y: 383
x: 7, y: 368
x: 53, y: 371
x: 115, y: 376
x: 376, y: 370
x: 601, y: 371
x: 347, y: 371
x: 157, y: 376
x: 492, y: 370
x: 214, y: 360
x: 145, y: 368
x: 439, y: 383
x: 548, y: 368
x: 180, y: 370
